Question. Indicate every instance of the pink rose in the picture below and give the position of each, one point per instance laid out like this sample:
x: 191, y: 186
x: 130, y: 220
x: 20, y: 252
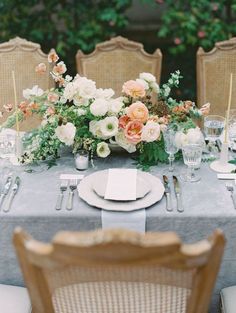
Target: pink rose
x: 177, y: 41
x: 133, y: 131
x: 41, y: 68
x: 133, y: 89
x: 123, y: 121
x: 52, y: 97
x: 201, y: 34
x: 138, y: 111
x: 53, y: 57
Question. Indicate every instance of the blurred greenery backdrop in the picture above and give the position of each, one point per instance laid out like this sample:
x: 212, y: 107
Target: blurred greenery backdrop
x: 180, y: 27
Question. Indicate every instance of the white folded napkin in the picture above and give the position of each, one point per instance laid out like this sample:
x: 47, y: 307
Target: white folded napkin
x: 121, y: 184
x: 226, y: 176
x: 71, y: 176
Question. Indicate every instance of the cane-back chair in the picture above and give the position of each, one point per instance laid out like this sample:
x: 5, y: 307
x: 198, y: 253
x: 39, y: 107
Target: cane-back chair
x: 117, y: 271
x: 115, y: 61
x: 21, y: 56
x: 213, y: 76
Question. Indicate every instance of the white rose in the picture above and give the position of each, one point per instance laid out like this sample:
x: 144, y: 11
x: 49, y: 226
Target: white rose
x: 94, y: 128
x: 35, y: 91
x: 66, y: 133
x: 195, y: 136
x: 143, y: 83
x: 87, y: 87
x: 104, y: 93
x: 103, y: 150
x: 99, y: 107
x: 181, y: 139
x: 70, y: 91
x: 148, y: 77
x: 109, y: 127
x: 115, y: 105
x: 151, y: 131
x: 155, y: 87
x: 122, y: 142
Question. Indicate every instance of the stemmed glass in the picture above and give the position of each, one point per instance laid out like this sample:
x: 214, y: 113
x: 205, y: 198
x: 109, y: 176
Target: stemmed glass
x: 213, y: 128
x: 170, y: 147
x: 192, y: 154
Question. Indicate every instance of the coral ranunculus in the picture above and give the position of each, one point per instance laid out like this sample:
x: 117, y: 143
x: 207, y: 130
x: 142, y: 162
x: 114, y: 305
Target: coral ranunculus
x: 138, y: 111
x: 133, y: 131
x: 133, y: 89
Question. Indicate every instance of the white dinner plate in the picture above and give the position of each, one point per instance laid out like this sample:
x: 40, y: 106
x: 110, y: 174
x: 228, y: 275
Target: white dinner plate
x: 100, y: 184
x: 86, y: 192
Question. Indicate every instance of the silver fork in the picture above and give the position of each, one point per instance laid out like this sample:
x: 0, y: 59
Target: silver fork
x: 72, y: 186
x: 63, y: 188
x: 230, y: 188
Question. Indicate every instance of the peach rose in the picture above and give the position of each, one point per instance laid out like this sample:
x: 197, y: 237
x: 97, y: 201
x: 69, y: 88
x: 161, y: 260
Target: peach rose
x: 59, y: 69
x: 41, y: 68
x: 133, y: 131
x: 205, y: 109
x: 23, y: 105
x: 123, y: 121
x: 133, y: 89
x: 8, y: 107
x: 138, y: 111
x: 33, y: 106
x: 52, y: 97
x: 60, y: 80
x: 53, y: 57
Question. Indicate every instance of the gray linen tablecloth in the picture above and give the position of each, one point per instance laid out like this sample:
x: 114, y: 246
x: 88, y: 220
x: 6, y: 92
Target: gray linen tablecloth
x: 207, y: 206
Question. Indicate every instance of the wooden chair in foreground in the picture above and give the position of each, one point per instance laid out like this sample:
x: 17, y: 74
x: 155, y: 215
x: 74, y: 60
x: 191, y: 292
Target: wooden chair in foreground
x: 213, y: 76
x: 117, y: 271
x: 21, y: 56
x: 115, y: 61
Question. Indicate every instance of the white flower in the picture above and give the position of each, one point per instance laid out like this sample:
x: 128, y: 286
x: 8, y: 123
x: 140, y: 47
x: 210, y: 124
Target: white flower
x: 94, y: 128
x: 195, y: 136
x: 66, y: 133
x: 104, y: 93
x: 81, y: 112
x: 148, y: 77
x: 87, y: 87
x: 151, y: 131
x: 155, y: 87
x: 35, y: 91
x: 109, y: 126
x: 103, y: 150
x: 115, y: 105
x: 99, y: 107
x: 122, y: 142
x: 70, y: 91
x: 143, y: 83
x: 68, y: 78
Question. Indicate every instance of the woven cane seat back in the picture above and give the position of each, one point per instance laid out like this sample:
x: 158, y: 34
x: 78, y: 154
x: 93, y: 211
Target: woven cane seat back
x: 114, y: 62
x: 116, y: 271
x: 213, y: 76
x: 21, y: 56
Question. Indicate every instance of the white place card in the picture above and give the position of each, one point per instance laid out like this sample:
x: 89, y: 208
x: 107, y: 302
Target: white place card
x: 121, y: 184
x: 71, y: 176
x: 226, y: 176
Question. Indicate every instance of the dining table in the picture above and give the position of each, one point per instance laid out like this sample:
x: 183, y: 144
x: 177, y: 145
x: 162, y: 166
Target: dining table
x: 207, y: 205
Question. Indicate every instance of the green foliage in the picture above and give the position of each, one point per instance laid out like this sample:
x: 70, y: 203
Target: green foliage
x: 64, y: 25
x: 193, y: 23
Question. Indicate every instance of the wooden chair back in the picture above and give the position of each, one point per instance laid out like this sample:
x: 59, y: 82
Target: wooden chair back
x: 213, y: 76
x: 22, y: 56
x: 115, y: 61
x: 119, y: 271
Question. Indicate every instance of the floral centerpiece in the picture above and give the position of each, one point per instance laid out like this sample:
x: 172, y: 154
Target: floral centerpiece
x: 76, y: 113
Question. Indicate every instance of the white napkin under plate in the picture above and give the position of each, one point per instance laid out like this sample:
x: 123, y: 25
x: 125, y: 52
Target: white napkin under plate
x: 121, y: 184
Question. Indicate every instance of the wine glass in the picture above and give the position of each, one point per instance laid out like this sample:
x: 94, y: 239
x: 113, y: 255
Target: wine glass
x: 170, y: 147
x: 213, y: 128
x: 192, y: 154
x: 232, y: 133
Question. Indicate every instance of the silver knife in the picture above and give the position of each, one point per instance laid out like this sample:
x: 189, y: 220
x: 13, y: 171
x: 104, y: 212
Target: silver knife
x: 169, y: 207
x: 178, y: 194
x: 5, y: 190
x: 12, y: 194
